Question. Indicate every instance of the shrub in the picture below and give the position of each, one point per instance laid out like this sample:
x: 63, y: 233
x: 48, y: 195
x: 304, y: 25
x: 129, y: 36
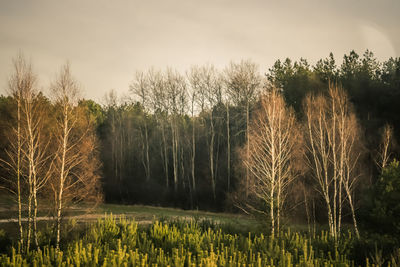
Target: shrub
x: 382, y: 210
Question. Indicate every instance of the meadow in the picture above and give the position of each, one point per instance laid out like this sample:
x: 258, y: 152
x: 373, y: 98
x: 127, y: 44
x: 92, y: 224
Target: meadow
x: 188, y: 238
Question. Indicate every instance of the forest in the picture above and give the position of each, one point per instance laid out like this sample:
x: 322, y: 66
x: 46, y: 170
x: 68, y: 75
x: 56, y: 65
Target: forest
x: 290, y: 144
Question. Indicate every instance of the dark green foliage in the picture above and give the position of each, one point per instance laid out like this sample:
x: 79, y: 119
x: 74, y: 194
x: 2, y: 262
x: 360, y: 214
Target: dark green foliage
x: 296, y: 79
x: 95, y: 111
x: 381, y: 213
x: 5, y: 240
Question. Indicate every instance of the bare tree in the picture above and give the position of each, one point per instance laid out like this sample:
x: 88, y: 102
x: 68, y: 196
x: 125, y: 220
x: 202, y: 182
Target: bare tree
x: 333, y: 152
x: 65, y: 92
x: 272, y: 140
x: 227, y: 102
x: 158, y: 99
x: 111, y: 106
x: 20, y: 81
x: 350, y: 172
x: 194, y: 82
x: 175, y: 87
x: 28, y: 151
x: 208, y: 86
x: 140, y: 87
x: 318, y: 148
x: 243, y: 82
x: 228, y: 142
x: 35, y: 151
x: 384, y: 153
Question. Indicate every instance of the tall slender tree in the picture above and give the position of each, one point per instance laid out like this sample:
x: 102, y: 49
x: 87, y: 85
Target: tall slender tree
x: 140, y: 87
x: 161, y: 108
x: 333, y: 152
x: 35, y: 151
x: 18, y: 83
x: 175, y: 87
x: 243, y: 82
x: 273, y: 136
x: 76, y: 164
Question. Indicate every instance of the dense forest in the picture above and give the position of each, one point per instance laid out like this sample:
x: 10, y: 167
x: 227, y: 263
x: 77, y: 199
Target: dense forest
x: 175, y: 140
x: 187, y: 139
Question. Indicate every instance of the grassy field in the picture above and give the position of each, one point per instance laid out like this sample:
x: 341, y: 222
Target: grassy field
x: 136, y: 235
x: 143, y: 215
x: 115, y: 241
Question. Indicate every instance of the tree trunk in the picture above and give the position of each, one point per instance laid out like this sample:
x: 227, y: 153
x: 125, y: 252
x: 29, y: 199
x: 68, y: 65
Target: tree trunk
x: 228, y: 148
x: 353, y: 215
x: 62, y: 176
x: 340, y: 208
x: 335, y: 168
x: 59, y: 212
x: 271, y: 203
x: 147, y: 150
x: 211, y: 156
x: 28, y: 233
x: 330, y: 216
x: 248, y: 147
x: 193, y: 153
x: 21, y: 232
x: 35, y: 209
x: 278, y: 206
x: 175, y: 153
x: 307, y: 211
x: 165, y: 153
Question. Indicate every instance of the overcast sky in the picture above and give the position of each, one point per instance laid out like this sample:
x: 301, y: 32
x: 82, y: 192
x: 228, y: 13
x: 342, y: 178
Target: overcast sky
x: 106, y: 41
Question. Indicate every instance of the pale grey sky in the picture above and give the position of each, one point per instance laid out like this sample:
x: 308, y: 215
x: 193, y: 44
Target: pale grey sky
x: 106, y: 41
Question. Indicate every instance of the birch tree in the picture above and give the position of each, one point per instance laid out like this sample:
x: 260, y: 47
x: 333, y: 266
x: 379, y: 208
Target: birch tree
x: 20, y: 81
x: 65, y: 92
x: 384, y: 151
x: 333, y: 152
x: 35, y: 151
x: 272, y: 140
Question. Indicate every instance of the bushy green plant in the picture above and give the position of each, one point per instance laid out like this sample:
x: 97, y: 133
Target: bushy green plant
x: 382, y: 210
x: 5, y: 240
x: 118, y: 242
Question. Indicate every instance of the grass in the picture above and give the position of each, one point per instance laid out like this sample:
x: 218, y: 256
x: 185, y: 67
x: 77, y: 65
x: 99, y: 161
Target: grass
x: 243, y: 235
x: 148, y: 213
x: 120, y: 242
x: 142, y: 214
x: 8, y: 210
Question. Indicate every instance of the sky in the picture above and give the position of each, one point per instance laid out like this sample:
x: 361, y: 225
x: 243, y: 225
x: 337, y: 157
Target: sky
x: 107, y: 41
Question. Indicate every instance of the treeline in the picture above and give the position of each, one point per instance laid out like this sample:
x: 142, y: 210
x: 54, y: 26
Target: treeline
x: 175, y: 142
x: 182, y: 139
x: 175, y: 139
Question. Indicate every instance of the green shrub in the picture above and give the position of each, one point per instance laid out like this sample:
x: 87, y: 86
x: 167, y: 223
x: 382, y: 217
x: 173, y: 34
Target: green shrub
x: 5, y: 241
x: 381, y: 213
x: 119, y: 242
